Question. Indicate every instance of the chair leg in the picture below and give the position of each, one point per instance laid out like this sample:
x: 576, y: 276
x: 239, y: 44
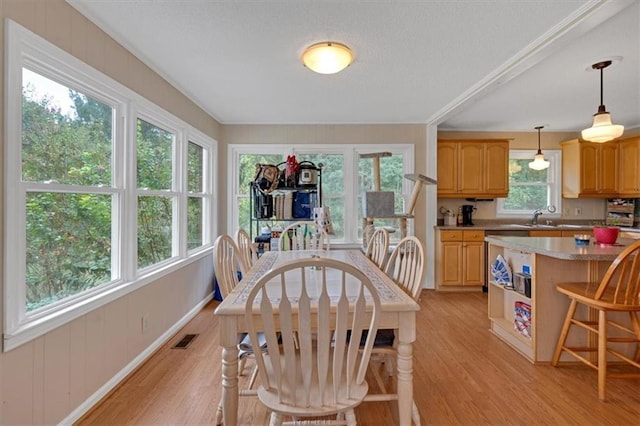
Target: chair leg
x: 602, y: 354
x: 564, y: 333
x: 276, y: 419
x: 219, y: 414
x: 241, y: 363
x: 252, y: 378
x: 350, y: 416
x: 635, y: 325
x: 415, y: 414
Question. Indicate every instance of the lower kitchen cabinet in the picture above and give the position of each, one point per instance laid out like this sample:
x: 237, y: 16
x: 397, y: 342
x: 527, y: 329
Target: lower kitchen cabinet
x: 461, y: 259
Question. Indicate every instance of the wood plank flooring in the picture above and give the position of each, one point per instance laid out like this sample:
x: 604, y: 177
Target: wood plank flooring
x: 462, y: 375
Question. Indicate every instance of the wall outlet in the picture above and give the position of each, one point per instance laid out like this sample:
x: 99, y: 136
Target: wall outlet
x: 577, y: 211
x: 145, y: 323
x: 566, y: 211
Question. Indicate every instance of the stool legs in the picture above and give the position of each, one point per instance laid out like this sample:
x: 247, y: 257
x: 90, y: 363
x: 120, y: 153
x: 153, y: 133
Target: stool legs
x: 564, y: 333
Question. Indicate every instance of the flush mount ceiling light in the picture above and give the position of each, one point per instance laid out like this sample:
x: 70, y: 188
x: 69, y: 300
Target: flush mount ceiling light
x: 539, y: 163
x: 327, y: 57
x: 602, y: 130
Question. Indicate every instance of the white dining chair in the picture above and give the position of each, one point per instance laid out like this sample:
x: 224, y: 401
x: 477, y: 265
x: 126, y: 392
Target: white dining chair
x: 405, y: 267
x: 378, y: 247
x: 303, y: 235
x: 229, y: 266
x: 245, y: 246
x: 324, y: 374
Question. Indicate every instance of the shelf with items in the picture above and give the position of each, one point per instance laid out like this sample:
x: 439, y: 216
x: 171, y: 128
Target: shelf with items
x: 291, y: 199
x: 512, y: 313
x: 620, y: 212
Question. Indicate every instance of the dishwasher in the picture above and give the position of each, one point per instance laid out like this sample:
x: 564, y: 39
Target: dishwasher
x: 500, y: 232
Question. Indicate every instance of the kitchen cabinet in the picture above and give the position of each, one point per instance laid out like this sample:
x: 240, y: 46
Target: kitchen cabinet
x: 589, y: 170
x: 473, y: 168
x: 629, y: 171
x: 461, y: 258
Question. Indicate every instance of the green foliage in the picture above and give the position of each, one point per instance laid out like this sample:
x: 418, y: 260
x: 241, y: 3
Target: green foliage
x: 527, y: 187
x: 69, y: 235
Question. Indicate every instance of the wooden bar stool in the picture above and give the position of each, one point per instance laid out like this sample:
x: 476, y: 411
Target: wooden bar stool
x: 619, y: 291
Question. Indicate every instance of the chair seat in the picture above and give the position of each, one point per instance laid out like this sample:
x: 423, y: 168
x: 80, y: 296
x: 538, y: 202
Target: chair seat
x: 269, y: 397
x: 585, y: 293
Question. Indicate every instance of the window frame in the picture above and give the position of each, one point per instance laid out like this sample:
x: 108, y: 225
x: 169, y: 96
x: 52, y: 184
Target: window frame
x: 350, y: 178
x: 26, y: 49
x: 554, y: 184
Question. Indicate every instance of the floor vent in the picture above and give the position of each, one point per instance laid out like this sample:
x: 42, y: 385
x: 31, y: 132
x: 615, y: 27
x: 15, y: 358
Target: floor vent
x: 185, y: 341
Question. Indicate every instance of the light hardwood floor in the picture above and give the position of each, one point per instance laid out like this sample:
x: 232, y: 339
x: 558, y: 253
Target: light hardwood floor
x: 462, y: 375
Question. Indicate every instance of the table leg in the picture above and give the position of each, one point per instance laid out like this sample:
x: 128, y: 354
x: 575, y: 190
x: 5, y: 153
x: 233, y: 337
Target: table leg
x: 229, y: 342
x: 406, y: 337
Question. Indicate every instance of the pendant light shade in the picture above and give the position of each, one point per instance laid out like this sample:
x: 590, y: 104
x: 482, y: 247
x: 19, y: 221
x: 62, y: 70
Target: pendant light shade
x: 539, y: 163
x: 602, y: 129
x: 327, y: 57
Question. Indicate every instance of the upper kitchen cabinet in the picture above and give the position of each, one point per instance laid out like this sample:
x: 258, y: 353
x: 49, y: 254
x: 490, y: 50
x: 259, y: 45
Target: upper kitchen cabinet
x: 473, y: 168
x: 629, y: 171
x: 589, y: 169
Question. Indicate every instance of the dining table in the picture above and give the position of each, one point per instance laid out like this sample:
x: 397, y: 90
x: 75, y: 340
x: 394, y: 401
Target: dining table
x: 398, y: 312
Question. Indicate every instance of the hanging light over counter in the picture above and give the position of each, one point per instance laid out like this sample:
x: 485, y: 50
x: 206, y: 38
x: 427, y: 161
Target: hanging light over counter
x: 539, y: 163
x: 602, y: 129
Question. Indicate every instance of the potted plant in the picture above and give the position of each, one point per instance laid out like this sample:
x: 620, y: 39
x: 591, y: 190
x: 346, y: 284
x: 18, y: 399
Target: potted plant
x: 606, y: 234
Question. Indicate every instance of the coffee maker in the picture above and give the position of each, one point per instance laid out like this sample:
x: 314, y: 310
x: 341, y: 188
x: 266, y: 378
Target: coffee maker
x: 467, y: 213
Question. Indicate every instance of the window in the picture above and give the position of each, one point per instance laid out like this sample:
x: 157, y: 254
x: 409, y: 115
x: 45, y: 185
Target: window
x: 344, y: 177
x: 531, y: 189
x: 73, y: 208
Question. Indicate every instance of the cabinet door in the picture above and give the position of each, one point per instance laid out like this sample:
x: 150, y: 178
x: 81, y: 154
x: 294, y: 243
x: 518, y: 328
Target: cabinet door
x: 589, y: 168
x: 608, y: 162
x: 496, y: 168
x: 471, y: 167
x: 447, y: 168
x: 451, y: 263
x: 473, y: 263
x: 629, y: 173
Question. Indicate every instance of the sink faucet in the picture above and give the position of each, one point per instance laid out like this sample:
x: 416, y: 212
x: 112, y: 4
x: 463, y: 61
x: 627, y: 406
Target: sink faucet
x: 536, y: 213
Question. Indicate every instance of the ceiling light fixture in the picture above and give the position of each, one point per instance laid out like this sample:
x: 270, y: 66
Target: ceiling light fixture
x: 327, y: 57
x: 539, y: 163
x: 602, y: 130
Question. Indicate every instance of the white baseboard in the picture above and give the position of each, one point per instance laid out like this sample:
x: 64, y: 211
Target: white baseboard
x: 83, y: 408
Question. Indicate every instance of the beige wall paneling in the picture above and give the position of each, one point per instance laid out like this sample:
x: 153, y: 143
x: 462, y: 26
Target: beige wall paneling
x: 115, y: 338
x: 56, y: 374
x: 17, y: 374
x: 95, y: 353
x: 77, y: 361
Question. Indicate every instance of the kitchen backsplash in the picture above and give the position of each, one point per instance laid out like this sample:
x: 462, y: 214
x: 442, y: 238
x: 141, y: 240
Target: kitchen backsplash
x: 589, y: 209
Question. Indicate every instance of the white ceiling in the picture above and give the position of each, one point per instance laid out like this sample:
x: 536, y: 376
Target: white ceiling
x: 465, y: 65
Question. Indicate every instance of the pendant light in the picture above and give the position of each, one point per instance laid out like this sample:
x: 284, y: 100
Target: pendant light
x: 327, y: 57
x: 539, y: 163
x: 602, y: 130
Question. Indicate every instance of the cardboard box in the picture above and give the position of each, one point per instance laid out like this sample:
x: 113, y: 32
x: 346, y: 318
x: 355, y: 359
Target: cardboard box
x: 378, y: 204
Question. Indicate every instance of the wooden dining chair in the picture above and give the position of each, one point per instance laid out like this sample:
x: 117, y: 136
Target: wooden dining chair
x: 324, y: 374
x: 227, y: 263
x: 378, y: 247
x: 405, y: 267
x: 303, y: 235
x: 229, y: 266
x: 618, y: 291
x: 245, y: 246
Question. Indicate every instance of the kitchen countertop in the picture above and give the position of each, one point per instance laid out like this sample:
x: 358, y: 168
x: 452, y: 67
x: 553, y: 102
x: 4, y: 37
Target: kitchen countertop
x: 561, y: 247
x: 503, y: 226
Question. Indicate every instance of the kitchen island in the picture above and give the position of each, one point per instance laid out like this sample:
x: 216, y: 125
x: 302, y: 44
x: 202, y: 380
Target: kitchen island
x: 550, y: 260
